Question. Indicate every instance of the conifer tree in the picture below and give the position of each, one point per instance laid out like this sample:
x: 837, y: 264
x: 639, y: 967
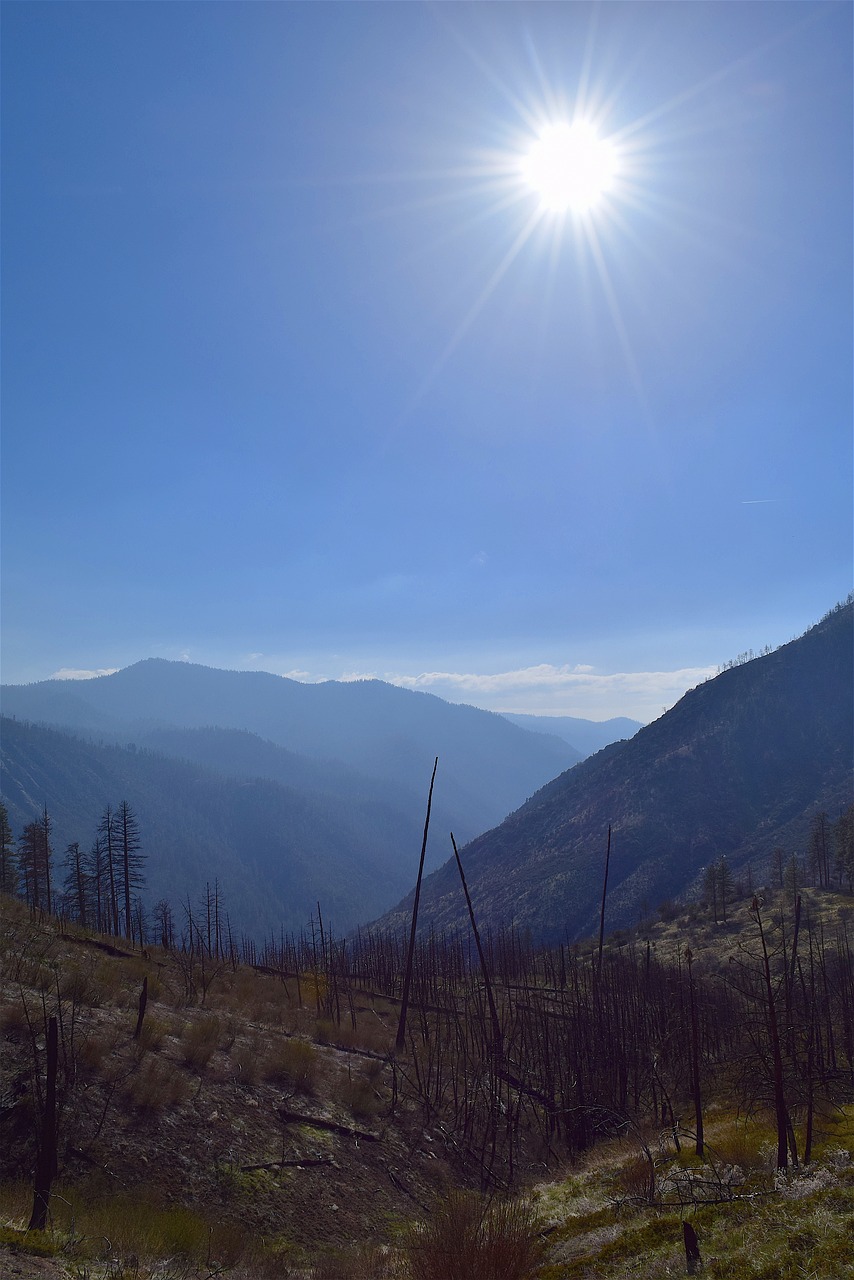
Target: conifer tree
x: 128, y: 839
x: 107, y: 833
x: 34, y: 860
x: 76, y: 883
x: 710, y: 888
x: 819, y: 850
x: 723, y: 876
x: 96, y: 875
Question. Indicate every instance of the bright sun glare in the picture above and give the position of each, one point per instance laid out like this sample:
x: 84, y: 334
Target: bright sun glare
x: 570, y: 167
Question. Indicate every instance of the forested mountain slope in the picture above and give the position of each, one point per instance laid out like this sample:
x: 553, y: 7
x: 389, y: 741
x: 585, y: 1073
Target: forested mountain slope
x: 738, y: 766
x: 275, y: 850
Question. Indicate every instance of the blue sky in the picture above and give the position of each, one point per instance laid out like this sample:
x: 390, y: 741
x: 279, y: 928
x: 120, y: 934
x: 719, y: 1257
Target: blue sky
x: 299, y: 376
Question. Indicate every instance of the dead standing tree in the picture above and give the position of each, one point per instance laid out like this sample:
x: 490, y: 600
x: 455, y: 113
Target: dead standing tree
x: 46, y: 1161
x: 407, y: 979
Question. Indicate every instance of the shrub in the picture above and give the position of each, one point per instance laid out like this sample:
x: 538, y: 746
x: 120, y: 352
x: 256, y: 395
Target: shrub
x: 467, y: 1238
x: 735, y: 1146
x: 244, y: 1060
x: 293, y: 1063
x: 97, y: 1052
x: 80, y: 985
x: 156, y: 1085
x: 359, y: 1262
x: 360, y: 1097
x: 636, y: 1178
x: 13, y: 1020
x: 199, y: 1041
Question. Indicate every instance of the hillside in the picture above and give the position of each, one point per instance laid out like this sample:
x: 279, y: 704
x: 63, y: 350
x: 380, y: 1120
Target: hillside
x: 386, y: 735
x: 251, y: 1120
x: 736, y: 768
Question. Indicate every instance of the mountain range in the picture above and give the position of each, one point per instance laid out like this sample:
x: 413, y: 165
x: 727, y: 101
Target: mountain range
x: 287, y: 793
x: 738, y: 767
x: 585, y: 736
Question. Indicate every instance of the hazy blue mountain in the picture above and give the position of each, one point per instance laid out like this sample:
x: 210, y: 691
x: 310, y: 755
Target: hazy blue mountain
x: 365, y: 743
x: 275, y: 849
x: 738, y: 766
x: 586, y: 736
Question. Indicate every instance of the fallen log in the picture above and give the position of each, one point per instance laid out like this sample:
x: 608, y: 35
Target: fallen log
x: 285, y: 1164
x: 331, y: 1126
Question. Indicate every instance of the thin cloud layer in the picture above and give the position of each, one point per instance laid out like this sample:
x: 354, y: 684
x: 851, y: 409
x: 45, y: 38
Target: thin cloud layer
x: 579, y: 690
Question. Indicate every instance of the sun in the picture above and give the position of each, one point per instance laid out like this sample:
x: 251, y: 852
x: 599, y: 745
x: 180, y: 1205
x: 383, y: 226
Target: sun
x: 570, y: 167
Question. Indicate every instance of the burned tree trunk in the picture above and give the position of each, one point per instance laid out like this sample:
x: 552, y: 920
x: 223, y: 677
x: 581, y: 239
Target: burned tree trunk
x: 46, y: 1162
x: 407, y: 980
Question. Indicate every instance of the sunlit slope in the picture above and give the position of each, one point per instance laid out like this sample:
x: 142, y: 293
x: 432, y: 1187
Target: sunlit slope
x: 737, y: 767
x: 389, y: 735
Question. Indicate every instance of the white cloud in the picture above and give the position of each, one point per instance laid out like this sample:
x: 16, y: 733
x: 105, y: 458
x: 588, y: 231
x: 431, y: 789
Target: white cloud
x: 546, y: 689
x: 75, y: 673
x: 572, y: 689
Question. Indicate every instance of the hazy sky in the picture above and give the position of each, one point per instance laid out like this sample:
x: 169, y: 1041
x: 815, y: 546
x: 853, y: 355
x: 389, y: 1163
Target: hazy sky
x: 299, y: 375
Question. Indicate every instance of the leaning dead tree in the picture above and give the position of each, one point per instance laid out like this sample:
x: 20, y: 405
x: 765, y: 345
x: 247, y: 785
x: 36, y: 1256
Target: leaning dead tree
x: 407, y: 980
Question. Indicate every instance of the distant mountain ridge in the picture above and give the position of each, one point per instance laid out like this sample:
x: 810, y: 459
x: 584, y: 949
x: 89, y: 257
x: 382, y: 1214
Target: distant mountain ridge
x: 348, y: 762
x: 586, y: 736
x: 383, y: 733
x: 739, y: 765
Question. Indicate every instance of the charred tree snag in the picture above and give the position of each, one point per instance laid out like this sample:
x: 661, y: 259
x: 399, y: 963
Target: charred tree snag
x: 407, y: 979
x: 693, y: 1261
x: 780, y: 1108
x: 695, y: 1059
x: 143, y: 1001
x: 604, y: 895
x: 493, y: 1012
x: 46, y: 1162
